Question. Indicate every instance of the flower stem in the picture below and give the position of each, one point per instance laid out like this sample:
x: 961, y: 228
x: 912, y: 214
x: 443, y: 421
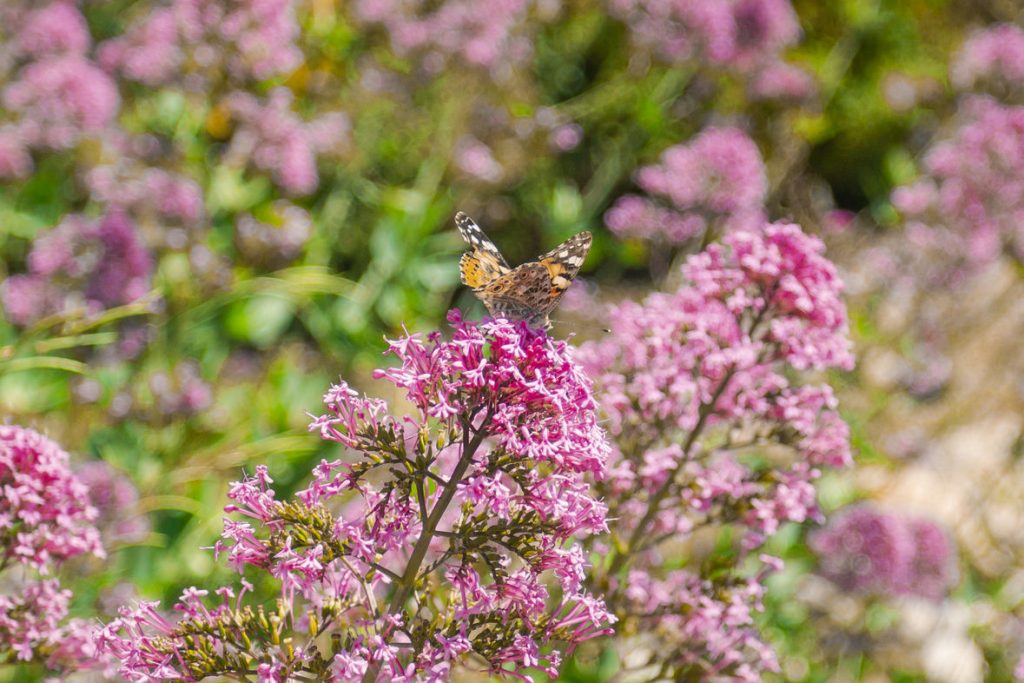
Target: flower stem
x: 408, y: 581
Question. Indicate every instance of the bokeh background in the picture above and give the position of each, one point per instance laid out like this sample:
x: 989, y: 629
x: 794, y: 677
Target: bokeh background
x: 210, y: 209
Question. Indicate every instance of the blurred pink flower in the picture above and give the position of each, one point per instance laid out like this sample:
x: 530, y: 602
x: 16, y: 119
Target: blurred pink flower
x: 868, y: 551
x: 968, y: 208
x: 482, y: 34
x: 476, y: 159
x: 115, y: 498
x: 276, y: 140
x: 15, y: 160
x: 736, y: 34
x: 277, y: 243
x: 992, y: 55
x: 782, y: 81
x: 239, y: 39
x: 58, y: 27
x: 61, y: 98
x: 717, y: 178
x: 99, y: 263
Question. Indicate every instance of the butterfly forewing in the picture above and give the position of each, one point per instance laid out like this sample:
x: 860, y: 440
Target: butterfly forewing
x: 484, y: 262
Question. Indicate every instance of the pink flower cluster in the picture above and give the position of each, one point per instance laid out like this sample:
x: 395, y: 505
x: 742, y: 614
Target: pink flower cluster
x: 451, y: 539
x: 45, y: 509
x: 736, y: 34
x: 717, y: 179
x: 162, y: 196
x: 115, y: 499
x: 95, y: 264
x: 994, y: 57
x: 275, y: 140
x: 481, y: 34
x: 54, y: 94
x: 46, y: 520
x: 200, y: 42
x: 968, y: 208
x: 695, y: 385
x: 276, y: 242
x: 869, y: 551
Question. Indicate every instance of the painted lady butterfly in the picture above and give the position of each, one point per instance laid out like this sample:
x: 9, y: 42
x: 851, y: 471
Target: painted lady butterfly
x: 528, y: 292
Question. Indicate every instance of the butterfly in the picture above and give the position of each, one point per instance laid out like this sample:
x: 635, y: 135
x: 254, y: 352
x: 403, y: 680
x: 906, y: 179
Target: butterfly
x: 528, y: 292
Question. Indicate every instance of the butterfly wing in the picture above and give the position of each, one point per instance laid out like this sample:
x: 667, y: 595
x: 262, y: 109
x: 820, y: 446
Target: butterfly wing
x: 523, y: 293
x: 531, y: 291
x: 563, y: 263
x: 483, y: 263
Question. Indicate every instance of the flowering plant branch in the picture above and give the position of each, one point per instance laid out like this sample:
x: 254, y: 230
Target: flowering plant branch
x: 46, y: 520
x: 713, y: 434
x: 432, y: 548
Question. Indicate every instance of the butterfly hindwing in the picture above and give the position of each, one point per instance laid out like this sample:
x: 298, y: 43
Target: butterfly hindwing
x: 564, y: 261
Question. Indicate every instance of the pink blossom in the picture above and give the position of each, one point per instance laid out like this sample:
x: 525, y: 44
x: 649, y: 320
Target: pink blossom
x: 782, y: 81
x: 718, y: 177
x: 15, y: 160
x: 475, y: 159
x: 61, y: 98
x: 56, y: 28
x: 690, y: 382
x: 868, y: 551
x: 46, y: 509
x: 964, y: 212
x: 994, y: 55
x: 736, y: 34
x: 274, y: 139
x: 481, y: 35
x: 276, y: 243
x: 208, y: 41
x: 482, y: 485
x: 115, y: 498
x: 103, y: 261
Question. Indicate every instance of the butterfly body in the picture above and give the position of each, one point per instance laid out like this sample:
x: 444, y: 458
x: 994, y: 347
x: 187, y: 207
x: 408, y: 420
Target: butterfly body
x: 527, y: 292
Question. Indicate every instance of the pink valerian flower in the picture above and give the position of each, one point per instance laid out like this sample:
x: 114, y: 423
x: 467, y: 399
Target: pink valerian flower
x: 476, y: 159
x: 15, y: 159
x: 275, y: 140
x: 735, y: 34
x: 55, y: 28
x: 486, y: 36
x: 965, y: 210
x: 782, y: 81
x: 45, y: 509
x: 278, y: 239
x: 150, y: 193
x: 693, y: 384
x: 709, y: 625
x: 993, y: 56
x: 452, y: 538
x: 211, y: 41
x: 58, y: 99
x: 46, y: 519
x: 115, y: 499
x: 869, y: 551
x: 716, y: 179
x: 30, y: 618
x: 99, y: 264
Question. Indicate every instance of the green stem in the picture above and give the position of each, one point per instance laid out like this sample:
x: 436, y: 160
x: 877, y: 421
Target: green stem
x: 408, y: 581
